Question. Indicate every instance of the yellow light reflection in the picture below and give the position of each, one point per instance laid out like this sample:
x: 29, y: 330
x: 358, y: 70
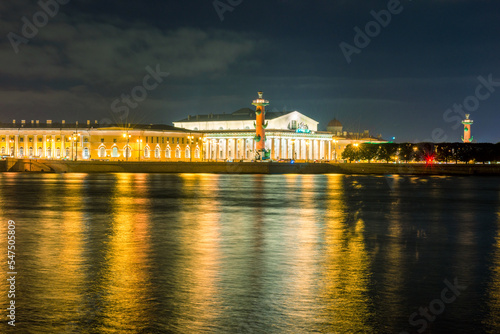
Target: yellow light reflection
x: 127, y: 275
x: 199, y: 281
x: 347, y: 273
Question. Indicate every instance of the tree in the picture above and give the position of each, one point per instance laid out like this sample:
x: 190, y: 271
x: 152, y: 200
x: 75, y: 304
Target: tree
x: 350, y: 153
x: 406, y: 151
x: 387, y: 151
x: 368, y: 151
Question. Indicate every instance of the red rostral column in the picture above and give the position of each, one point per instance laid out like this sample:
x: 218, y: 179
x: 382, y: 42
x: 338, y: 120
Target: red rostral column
x: 467, y: 138
x: 260, y: 132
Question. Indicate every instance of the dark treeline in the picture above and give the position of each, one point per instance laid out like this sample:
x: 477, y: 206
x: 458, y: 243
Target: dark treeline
x: 444, y: 152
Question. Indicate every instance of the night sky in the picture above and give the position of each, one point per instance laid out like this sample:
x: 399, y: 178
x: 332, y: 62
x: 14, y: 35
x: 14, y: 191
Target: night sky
x: 88, y: 57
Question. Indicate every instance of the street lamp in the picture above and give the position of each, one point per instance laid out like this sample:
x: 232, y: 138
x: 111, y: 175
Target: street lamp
x: 190, y: 142
x: 74, y: 138
x: 127, y: 149
x: 203, y: 149
x: 139, y: 142
x: 335, y: 141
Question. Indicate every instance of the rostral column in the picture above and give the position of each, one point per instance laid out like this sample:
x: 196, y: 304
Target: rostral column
x: 260, y: 132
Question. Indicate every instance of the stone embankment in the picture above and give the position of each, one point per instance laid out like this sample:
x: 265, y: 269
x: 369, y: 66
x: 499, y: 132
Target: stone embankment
x: 29, y: 165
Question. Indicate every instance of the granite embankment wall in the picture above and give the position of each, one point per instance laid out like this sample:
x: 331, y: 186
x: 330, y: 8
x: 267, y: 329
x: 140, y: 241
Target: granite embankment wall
x: 15, y: 165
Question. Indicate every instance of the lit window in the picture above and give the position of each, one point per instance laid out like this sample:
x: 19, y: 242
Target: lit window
x: 114, y: 153
x: 146, y: 152
x: 197, y: 153
x: 102, y: 152
x: 167, y: 152
x: 86, y: 153
x: 188, y: 153
x: 157, y: 153
x: 178, y: 153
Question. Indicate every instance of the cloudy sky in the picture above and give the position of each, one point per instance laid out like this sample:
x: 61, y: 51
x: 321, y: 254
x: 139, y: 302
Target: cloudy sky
x: 411, y: 75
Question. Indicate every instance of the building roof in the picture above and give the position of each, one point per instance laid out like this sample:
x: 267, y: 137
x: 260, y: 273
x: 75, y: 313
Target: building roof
x: 243, y: 114
x: 85, y: 126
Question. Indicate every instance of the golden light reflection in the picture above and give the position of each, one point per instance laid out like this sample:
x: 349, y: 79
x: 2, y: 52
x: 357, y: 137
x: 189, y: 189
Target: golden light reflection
x: 199, y: 280
x: 127, y: 271
x: 301, y: 239
x: 347, y: 273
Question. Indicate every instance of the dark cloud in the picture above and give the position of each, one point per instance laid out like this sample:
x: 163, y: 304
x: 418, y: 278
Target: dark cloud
x: 91, y: 52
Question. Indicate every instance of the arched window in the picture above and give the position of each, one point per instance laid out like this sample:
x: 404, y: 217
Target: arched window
x: 196, y: 128
x: 128, y: 152
x: 21, y: 151
x: 58, y: 153
x: 115, y: 153
x: 67, y: 151
x: 221, y: 128
x: 178, y: 153
x: 188, y: 153
x: 102, y: 152
x: 3, y: 150
x: 31, y: 151
x: 146, y: 152
x: 167, y: 152
x: 86, y: 153
x: 157, y: 153
x: 49, y: 153
x: 40, y: 150
x: 197, y: 153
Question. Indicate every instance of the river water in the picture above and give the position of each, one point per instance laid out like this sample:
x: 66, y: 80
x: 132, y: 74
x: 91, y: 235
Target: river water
x: 206, y: 253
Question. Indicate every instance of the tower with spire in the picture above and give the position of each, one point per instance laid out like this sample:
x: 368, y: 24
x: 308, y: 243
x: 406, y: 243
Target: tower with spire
x: 467, y: 138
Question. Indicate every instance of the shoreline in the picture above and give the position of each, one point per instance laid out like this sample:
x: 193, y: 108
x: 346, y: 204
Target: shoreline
x: 58, y: 166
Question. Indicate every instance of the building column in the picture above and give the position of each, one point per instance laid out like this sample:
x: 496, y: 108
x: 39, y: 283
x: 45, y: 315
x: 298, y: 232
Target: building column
x: 16, y: 146
x: 44, y: 146
x: 35, y: 146
x: 235, y: 153
x: 329, y: 150
x: 63, y: 147
x: 26, y: 145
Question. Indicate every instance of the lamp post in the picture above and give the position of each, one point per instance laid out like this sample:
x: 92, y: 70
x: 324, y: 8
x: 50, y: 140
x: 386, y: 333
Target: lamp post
x: 127, y: 149
x: 139, y: 142
x: 190, y: 142
x: 74, y: 139
x: 335, y: 146
x: 204, y: 140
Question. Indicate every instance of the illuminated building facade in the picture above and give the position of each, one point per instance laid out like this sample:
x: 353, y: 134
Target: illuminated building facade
x: 286, y: 135
x: 94, y: 142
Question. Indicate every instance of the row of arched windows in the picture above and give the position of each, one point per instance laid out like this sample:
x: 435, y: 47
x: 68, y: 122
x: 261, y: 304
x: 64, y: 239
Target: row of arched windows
x: 127, y: 152
x: 49, y: 153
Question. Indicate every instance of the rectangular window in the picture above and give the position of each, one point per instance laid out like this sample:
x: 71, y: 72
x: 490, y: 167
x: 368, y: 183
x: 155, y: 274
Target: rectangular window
x: 40, y: 139
x: 183, y: 140
x: 163, y: 140
x: 147, y: 138
x: 177, y: 140
x: 21, y: 139
x: 157, y: 140
x: 173, y: 141
x: 152, y: 140
x: 102, y: 140
x: 114, y: 140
